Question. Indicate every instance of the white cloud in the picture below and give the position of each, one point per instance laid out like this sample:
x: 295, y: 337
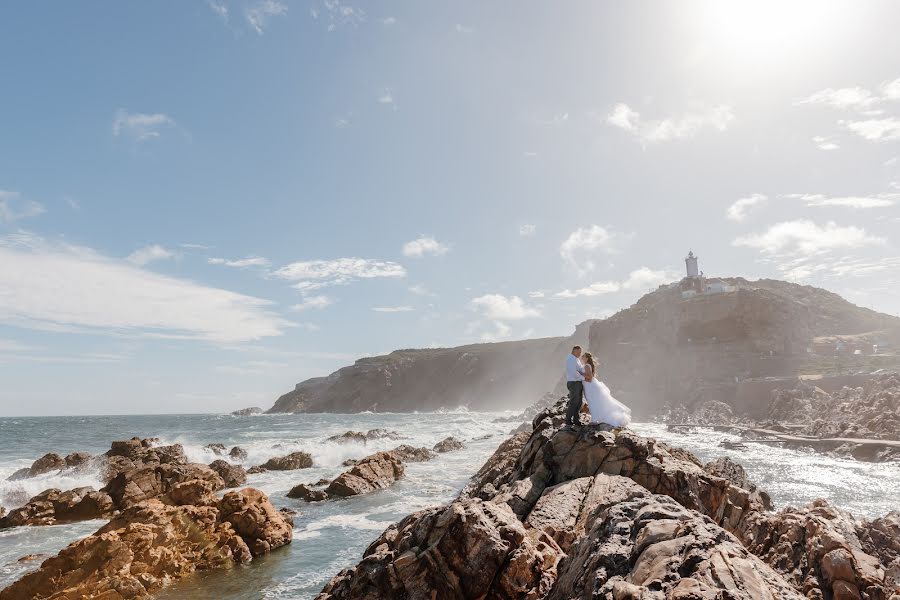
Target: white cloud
x: 420, y: 290
x: 595, y: 289
x: 424, y: 246
x: 842, y: 98
x: 339, y: 14
x: 804, y: 237
x: 669, y: 128
x: 740, y: 208
x: 646, y: 278
x: 890, y: 90
x: 13, y: 207
x: 393, y: 309
x: 389, y: 21
x: 313, y: 303
x: 527, y: 229
x: 500, y: 331
x: 148, y: 254
x: 259, y: 13
x: 67, y: 288
x: 339, y: 270
x: 219, y: 9
x: 876, y: 201
x: 586, y: 240
x: 825, y: 143
x: 140, y: 127
x: 250, y: 261
x: 876, y: 130
x: 497, y: 307
x: 536, y: 294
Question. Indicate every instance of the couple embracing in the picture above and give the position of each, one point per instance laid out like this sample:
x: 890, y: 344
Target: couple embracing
x: 582, y: 381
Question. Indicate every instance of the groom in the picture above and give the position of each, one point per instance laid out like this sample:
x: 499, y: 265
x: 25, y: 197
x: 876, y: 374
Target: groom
x: 575, y: 383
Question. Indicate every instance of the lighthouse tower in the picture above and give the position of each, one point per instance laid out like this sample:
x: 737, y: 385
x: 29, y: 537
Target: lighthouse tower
x: 693, y: 271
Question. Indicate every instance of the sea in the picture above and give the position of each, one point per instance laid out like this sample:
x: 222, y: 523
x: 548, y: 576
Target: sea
x: 332, y: 535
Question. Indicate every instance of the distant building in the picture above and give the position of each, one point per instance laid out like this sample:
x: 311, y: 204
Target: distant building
x: 693, y: 270
x: 695, y: 284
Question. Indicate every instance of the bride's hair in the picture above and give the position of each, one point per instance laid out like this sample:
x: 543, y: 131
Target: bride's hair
x: 589, y: 359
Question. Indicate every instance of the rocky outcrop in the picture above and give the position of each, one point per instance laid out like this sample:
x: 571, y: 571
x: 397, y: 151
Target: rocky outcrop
x: 232, y: 475
x: 136, y: 453
x: 307, y: 493
x: 374, y: 472
x: 248, y: 412
x: 151, y: 543
x: 358, y: 437
x: 735, y: 473
x: 407, y: 453
x: 448, y: 444
x: 131, y: 487
x: 54, y: 506
x: 238, y: 453
x: 51, y: 462
x: 593, y: 514
x: 881, y: 538
x: 291, y: 462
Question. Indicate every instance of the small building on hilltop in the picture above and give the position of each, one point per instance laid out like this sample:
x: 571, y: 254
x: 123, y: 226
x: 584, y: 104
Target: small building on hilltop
x: 696, y: 284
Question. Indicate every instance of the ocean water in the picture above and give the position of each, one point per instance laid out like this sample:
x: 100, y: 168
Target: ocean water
x: 330, y: 536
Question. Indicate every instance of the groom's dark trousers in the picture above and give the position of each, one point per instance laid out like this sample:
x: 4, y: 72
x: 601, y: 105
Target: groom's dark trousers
x: 576, y: 391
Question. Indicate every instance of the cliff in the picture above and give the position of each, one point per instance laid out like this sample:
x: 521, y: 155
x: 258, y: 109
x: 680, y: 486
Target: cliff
x: 479, y: 376
x: 693, y: 350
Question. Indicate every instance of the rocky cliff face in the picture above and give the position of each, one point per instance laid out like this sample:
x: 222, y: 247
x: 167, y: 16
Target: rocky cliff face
x: 597, y: 514
x: 480, y: 377
x: 688, y: 351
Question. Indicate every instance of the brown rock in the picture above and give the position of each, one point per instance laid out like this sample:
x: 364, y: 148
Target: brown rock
x: 141, y: 484
x: 45, y: 464
x: 216, y: 448
x: 448, y: 444
x: 151, y: 543
x: 54, y: 506
x: 374, y: 472
x: 193, y: 492
x: 232, y: 475
x: 255, y: 519
x: 293, y: 461
x: 238, y: 453
x: 407, y: 453
x: 306, y: 493
x: 357, y: 437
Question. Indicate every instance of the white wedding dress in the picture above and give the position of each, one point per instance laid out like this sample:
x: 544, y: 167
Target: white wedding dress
x: 604, y: 408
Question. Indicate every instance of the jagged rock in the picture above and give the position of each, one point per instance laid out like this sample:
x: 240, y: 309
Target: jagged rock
x: 77, y: 460
x: 2, y: 512
x: 150, y: 544
x: 407, y: 453
x: 379, y: 433
x: 238, y: 453
x: 448, y: 444
x: 816, y: 548
x: 45, y: 464
x: 617, y: 517
x: 137, y: 485
x: 291, y: 462
x: 735, y: 473
x: 256, y: 469
x: 470, y: 549
x: 232, y: 475
x: 216, y: 448
x: 255, y: 519
x: 195, y: 492
x: 303, y: 492
x: 136, y: 453
x: 247, y: 412
x: 54, y: 506
x: 374, y: 472
x: 357, y: 437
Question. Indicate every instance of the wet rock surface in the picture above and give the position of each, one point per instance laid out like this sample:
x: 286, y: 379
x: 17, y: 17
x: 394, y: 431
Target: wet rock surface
x: 232, y: 475
x: 291, y: 462
x: 371, y: 473
x: 593, y: 513
x: 54, y: 506
x: 151, y: 543
x: 448, y: 444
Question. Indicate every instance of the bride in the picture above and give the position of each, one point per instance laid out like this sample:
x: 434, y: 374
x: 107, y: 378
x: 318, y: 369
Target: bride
x: 604, y: 408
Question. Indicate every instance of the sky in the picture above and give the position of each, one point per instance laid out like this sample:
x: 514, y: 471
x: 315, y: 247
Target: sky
x: 204, y: 203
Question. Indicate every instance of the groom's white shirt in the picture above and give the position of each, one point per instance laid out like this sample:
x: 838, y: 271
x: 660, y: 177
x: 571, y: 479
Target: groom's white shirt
x: 574, y: 369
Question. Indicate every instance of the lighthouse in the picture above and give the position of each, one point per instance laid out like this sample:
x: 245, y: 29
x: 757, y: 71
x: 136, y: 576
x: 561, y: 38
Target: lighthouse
x: 693, y: 272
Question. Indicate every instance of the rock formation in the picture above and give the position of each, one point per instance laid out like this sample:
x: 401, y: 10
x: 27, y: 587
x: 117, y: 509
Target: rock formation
x: 152, y: 543
x: 232, y: 475
x: 54, y: 506
x: 597, y: 514
x: 238, y: 453
x: 407, y: 453
x: 448, y: 444
x: 291, y: 462
x: 145, y: 483
x: 374, y: 472
x: 248, y: 412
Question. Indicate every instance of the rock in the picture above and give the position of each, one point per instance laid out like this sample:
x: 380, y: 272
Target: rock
x: 448, y: 444
x: 291, y: 462
x: 151, y: 543
x: 238, y: 453
x: 195, y: 492
x: 248, y: 412
x: 498, y: 467
x: 881, y: 538
x: 136, y: 453
x: 303, y: 492
x: 733, y: 472
x: 54, y: 506
x: 349, y: 462
x: 374, y: 472
x: 357, y: 437
x: 470, y: 549
x: 255, y: 519
x: 130, y: 487
x: 407, y: 453
x: 378, y: 434
x: 217, y: 449
x: 45, y: 464
x: 232, y: 475
x: 256, y: 469
x: 77, y: 460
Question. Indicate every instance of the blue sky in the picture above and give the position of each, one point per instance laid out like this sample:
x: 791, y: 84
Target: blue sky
x: 202, y: 203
